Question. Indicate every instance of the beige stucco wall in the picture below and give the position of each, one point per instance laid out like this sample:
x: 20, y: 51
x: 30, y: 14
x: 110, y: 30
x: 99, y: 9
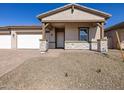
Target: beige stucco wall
x: 94, y: 33
x: 72, y: 31
x: 78, y: 15
x: 28, y: 31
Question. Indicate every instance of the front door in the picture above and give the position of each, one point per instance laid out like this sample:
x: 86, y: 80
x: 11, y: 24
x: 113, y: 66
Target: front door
x: 59, y: 38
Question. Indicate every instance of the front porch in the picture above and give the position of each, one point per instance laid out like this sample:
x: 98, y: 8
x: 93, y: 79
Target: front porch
x: 79, y: 35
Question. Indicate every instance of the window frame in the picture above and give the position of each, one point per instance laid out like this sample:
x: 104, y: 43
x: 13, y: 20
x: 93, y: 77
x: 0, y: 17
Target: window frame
x: 79, y: 33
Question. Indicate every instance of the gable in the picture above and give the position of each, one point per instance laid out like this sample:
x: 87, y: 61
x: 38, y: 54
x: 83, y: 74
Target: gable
x: 81, y: 14
x: 76, y: 16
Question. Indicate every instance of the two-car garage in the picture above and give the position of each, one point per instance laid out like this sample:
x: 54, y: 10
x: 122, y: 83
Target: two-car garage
x: 26, y: 37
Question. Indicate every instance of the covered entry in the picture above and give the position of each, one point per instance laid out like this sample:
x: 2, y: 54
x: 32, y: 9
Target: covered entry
x: 59, y: 37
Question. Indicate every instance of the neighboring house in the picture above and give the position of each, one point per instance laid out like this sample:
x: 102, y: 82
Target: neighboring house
x: 112, y: 39
x: 69, y: 27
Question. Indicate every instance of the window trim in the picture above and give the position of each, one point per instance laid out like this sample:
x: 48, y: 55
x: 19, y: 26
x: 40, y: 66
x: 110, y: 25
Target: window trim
x: 79, y: 33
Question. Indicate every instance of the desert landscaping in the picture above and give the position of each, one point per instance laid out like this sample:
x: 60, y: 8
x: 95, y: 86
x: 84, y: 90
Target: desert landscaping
x: 62, y: 69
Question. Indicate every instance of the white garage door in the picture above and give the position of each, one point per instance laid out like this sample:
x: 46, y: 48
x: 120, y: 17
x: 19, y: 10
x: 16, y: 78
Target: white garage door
x: 28, y: 41
x: 5, y: 41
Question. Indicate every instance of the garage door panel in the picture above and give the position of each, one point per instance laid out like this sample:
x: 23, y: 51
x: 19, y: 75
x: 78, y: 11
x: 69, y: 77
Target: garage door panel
x: 5, y: 41
x: 28, y: 41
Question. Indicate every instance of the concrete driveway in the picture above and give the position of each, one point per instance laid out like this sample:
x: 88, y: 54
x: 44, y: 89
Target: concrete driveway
x: 10, y: 59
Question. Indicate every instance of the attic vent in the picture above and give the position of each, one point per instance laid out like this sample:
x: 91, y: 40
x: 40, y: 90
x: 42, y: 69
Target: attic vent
x: 72, y: 9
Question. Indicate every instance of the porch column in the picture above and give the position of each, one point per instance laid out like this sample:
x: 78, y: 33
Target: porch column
x: 43, y: 32
x: 102, y: 30
x: 102, y: 42
x: 43, y: 42
x: 101, y: 25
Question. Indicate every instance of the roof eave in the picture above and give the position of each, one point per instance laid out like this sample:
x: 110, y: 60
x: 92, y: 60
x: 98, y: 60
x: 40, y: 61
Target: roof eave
x: 114, y: 27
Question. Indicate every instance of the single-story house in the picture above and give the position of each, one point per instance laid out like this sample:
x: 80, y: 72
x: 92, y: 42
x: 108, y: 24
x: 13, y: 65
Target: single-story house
x: 72, y: 26
x: 111, y: 35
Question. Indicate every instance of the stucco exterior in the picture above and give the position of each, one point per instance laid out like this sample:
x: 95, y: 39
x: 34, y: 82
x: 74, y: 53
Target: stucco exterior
x: 77, y: 16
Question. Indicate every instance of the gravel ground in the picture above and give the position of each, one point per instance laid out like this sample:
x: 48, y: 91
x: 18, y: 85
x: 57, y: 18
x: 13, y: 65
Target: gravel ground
x: 68, y: 70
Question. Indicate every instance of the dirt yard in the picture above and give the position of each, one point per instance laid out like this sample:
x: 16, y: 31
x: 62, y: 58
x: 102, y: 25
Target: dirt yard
x: 67, y: 70
x: 10, y: 59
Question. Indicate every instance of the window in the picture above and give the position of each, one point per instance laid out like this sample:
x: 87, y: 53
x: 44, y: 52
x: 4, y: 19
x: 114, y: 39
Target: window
x: 83, y: 34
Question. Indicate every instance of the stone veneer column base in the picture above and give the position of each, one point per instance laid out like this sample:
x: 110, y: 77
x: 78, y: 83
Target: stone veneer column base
x: 43, y: 46
x: 94, y: 45
x: 103, y: 45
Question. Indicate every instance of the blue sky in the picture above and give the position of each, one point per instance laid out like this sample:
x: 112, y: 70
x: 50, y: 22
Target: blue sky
x: 25, y: 14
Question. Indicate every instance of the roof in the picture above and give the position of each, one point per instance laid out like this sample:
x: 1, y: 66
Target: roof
x: 20, y: 27
x: 116, y: 26
x: 80, y: 7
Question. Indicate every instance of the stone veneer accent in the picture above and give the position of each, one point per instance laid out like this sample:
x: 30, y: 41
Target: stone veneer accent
x: 100, y: 45
x: 94, y: 45
x: 43, y: 45
x: 77, y: 45
x: 103, y: 45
